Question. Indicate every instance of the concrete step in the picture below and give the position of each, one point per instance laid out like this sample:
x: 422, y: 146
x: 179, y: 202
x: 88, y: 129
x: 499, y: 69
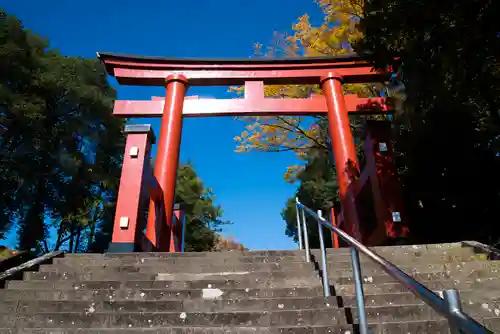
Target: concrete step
x: 193, y: 256
x: 174, y: 262
x: 150, y: 271
x: 214, y: 305
x: 317, y: 317
x: 312, y: 297
x: 62, y: 282
x: 433, y: 256
x: 402, y: 248
x: 456, y: 275
x: 101, y: 292
x: 417, y: 267
x: 173, y: 258
x: 187, y: 267
x: 284, y: 254
x: 428, y: 327
x: 56, y: 281
x: 464, y: 271
x: 479, y: 283
x: 123, y: 281
x: 207, y: 302
x: 152, y: 267
x: 458, y: 255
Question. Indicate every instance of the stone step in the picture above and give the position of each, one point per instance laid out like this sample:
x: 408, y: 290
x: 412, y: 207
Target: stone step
x: 428, y: 327
x: 407, y: 250
x: 185, y: 268
x: 458, y: 255
x: 465, y: 272
x: 455, y: 275
x: 461, y: 270
x: 317, y: 317
x: 214, y: 305
x: 175, y: 260
x: 341, y: 289
x: 421, y: 247
x: 289, y: 298
x: 280, y: 254
x: 434, y: 279
x: 492, y: 283
x: 96, y: 292
x: 404, y: 264
x: 130, y: 271
x: 129, y: 281
x: 56, y: 281
x: 210, y: 256
x: 262, y: 255
x: 116, y: 261
x: 312, y: 297
x: 420, y: 267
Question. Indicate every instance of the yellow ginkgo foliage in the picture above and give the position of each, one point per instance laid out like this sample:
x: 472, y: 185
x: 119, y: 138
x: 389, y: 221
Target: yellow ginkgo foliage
x: 333, y: 37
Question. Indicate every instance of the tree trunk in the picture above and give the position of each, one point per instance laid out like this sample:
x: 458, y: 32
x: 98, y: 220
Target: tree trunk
x: 59, y: 235
x: 71, y: 237
x: 90, y: 241
x: 78, y: 238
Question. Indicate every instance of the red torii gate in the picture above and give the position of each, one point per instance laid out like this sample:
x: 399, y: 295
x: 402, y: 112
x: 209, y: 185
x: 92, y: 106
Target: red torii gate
x: 177, y: 74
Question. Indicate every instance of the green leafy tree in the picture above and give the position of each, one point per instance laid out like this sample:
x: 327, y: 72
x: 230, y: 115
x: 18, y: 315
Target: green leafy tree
x: 318, y: 190
x: 203, y: 216
x: 61, y: 152
x: 60, y: 147
x: 448, y: 56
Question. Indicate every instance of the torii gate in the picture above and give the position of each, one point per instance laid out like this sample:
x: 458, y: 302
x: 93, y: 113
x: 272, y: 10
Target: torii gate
x: 177, y: 74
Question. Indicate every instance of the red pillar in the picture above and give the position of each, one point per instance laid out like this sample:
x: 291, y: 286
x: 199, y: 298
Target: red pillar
x: 388, y: 196
x: 335, y: 237
x: 177, y: 229
x: 344, y: 150
x: 167, y: 160
x: 129, y: 220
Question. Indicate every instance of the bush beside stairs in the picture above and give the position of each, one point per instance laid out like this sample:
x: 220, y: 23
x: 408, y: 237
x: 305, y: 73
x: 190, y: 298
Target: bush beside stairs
x: 244, y: 292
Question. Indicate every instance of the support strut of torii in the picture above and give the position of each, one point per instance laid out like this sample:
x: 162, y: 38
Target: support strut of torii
x: 178, y: 74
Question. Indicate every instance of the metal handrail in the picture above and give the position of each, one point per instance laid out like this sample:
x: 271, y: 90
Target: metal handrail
x: 449, y: 306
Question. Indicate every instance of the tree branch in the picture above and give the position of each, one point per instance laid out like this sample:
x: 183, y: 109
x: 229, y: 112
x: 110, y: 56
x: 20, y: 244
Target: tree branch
x: 299, y: 129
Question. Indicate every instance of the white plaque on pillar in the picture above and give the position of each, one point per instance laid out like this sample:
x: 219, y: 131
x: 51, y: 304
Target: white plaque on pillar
x: 396, y: 217
x: 123, y: 222
x: 134, y: 152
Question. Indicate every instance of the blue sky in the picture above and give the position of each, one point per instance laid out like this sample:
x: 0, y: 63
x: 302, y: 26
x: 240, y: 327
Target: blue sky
x: 250, y: 187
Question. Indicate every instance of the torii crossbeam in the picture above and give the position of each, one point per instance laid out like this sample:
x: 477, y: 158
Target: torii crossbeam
x: 250, y: 105
x: 177, y: 74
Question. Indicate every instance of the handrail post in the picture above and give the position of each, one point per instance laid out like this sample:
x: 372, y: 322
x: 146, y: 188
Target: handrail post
x: 360, y: 296
x: 306, y: 237
x: 452, y: 299
x: 324, y: 270
x: 183, y: 240
x: 299, y: 227
x: 449, y: 308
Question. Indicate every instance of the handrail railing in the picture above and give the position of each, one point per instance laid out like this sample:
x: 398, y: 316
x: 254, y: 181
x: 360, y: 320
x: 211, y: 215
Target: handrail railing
x: 449, y: 306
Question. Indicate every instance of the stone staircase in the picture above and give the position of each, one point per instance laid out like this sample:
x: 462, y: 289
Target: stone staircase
x: 243, y: 292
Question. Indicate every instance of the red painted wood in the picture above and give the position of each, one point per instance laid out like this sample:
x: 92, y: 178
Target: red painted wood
x: 389, y: 194
x: 167, y: 160
x: 253, y: 74
x: 249, y: 107
x: 156, y: 77
x: 134, y: 174
x: 176, y: 235
x: 335, y: 237
x: 344, y: 151
x: 149, y: 63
